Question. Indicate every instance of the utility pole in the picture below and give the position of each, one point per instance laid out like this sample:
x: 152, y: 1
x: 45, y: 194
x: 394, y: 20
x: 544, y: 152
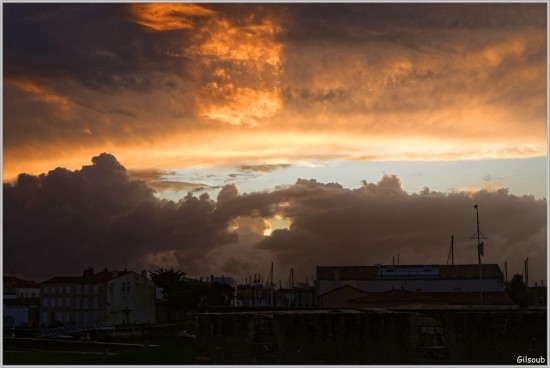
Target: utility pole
x: 479, y: 235
x: 451, y: 255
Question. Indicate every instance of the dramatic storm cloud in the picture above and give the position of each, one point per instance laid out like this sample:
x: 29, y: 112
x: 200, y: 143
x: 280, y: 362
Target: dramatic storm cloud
x: 243, y: 133
x: 204, y: 84
x: 64, y: 221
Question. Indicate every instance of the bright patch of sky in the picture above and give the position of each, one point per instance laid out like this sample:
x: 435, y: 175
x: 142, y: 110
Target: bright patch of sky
x: 520, y: 176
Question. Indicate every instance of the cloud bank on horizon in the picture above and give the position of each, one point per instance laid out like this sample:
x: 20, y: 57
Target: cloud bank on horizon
x: 64, y: 221
x: 199, y: 84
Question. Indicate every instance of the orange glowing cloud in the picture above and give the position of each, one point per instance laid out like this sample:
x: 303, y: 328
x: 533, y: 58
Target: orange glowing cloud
x: 311, y: 88
x: 246, y: 89
x: 242, y: 106
x: 168, y: 16
x: 212, y: 148
x: 252, y: 43
x: 43, y: 94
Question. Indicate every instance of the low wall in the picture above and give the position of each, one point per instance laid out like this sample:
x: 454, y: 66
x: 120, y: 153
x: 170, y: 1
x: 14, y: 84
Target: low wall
x: 16, y: 343
x: 372, y: 337
x: 484, y: 337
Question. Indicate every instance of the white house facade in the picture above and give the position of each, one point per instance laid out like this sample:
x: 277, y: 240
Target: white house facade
x: 130, y: 299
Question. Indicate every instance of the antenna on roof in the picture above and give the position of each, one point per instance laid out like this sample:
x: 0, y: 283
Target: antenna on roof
x: 479, y: 235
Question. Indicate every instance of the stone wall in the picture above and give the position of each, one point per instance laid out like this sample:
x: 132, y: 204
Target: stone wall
x: 371, y: 337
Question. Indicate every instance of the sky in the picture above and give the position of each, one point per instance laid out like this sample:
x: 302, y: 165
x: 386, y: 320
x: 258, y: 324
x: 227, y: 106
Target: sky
x: 218, y: 138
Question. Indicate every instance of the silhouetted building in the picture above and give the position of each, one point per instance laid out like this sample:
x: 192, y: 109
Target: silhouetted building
x: 228, y: 281
x: 107, y: 296
x: 421, y: 284
x: 402, y: 297
x: 130, y: 298
x: 18, y: 288
x: 20, y: 302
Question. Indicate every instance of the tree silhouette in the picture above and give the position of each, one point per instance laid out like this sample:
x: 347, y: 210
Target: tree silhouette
x: 220, y: 294
x: 171, y: 283
x: 517, y: 290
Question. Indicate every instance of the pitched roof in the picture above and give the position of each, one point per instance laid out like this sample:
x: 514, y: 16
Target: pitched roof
x: 15, y: 282
x: 347, y: 272
x: 98, y: 278
x: 469, y: 271
x: 446, y: 272
x: 342, y: 288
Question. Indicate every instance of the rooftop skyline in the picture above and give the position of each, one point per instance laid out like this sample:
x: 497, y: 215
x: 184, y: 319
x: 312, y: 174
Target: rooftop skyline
x: 306, y: 134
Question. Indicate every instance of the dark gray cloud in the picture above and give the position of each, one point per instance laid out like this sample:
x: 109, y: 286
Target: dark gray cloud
x: 332, y: 225
x: 59, y: 222
x: 94, y: 44
x: 347, y: 23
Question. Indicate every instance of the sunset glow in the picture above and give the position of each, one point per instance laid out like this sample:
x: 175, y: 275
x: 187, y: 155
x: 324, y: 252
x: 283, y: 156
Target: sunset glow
x: 258, y: 130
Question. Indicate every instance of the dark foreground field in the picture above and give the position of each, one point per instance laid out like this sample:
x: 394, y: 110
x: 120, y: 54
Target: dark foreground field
x: 177, y: 352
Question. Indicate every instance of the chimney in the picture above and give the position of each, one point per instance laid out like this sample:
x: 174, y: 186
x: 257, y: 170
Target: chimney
x: 144, y: 274
x: 88, y: 272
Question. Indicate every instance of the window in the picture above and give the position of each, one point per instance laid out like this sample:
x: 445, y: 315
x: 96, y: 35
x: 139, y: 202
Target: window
x: 95, y: 316
x: 78, y: 287
x: 86, y: 289
x: 128, y: 286
x: 84, y: 316
x: 67, y: 289
x: 59, y: 316
x: 94, y: 303
x: 85, y: 303
x: 77, y: 303
x: 60, y: 303
x: 96, y: 289
x: 44, y: 317
x: 68, y: 302
x: 45, y: 302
